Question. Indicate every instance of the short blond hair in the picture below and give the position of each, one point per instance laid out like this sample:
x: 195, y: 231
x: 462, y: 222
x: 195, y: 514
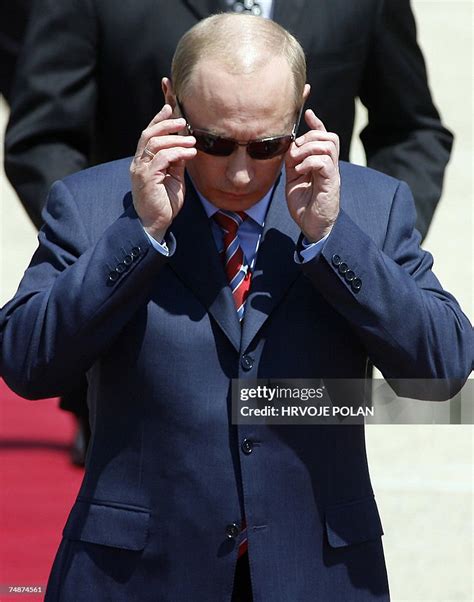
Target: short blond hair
x: 242, y: 43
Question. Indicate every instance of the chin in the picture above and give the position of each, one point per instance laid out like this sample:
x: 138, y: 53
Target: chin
x: 234, y: 202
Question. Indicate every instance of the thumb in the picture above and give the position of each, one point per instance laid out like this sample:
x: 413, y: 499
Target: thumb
x: 176, y: 170
x: 313, y: 121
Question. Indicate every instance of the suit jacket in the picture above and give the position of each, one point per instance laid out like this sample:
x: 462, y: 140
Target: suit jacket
x: 89, y: 82
x: 160, y: 341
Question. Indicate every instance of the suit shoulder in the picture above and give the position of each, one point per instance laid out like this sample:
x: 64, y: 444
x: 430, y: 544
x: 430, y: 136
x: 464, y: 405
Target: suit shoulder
x: 358, y: 176
x: 367, y: 196
x: 100, y: 194
x: 111, y: 176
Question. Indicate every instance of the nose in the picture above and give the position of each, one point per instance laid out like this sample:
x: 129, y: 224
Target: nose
x: 239, y: 168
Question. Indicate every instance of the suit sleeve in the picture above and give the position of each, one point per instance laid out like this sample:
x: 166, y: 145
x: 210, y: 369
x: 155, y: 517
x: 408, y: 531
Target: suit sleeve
x: 410, y: 327
x: 13, y: 19
x: 75, y: 297
x: 53, y: 101
x: 404, y: 137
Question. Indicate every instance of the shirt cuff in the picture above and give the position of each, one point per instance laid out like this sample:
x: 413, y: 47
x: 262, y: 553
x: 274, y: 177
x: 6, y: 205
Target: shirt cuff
x: 309, y: 250
x: 160, y: 247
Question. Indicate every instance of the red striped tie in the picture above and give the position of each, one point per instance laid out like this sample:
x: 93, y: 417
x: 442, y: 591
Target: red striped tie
x: 239, y: 278
x: 244, y: 544
x: 237, y: 272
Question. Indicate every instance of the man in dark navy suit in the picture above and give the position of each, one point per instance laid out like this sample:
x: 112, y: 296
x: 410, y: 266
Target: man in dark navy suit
x: 240, y: 249
x: 69, y: 110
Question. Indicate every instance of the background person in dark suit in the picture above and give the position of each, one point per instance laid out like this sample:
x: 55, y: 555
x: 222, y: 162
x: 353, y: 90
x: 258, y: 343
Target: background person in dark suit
x: 167, y: 470
x: 13, y: 20
x: 88, y: 82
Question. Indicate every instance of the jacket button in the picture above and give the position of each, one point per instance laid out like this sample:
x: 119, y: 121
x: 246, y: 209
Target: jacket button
x: 127, y: 260
x: 135, y: 252
x: 356, y: 285
x: 232, y: 531
x: 247, y: 362
x: 120, y: 268
x: 349, y: 276
x: 336, y: 260
x: 343, y: 267
x: 247, y: 446
x: 113, y: 276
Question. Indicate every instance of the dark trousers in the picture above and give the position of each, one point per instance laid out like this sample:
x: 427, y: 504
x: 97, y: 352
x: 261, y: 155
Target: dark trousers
x: 242, y: 584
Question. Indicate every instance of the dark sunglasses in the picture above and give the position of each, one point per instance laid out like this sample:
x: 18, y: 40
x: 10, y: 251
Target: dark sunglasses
x: 262, y: 148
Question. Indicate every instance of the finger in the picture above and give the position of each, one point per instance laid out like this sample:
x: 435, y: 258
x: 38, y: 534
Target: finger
x: 313, y: 121
x: 147, y: 156
x: 318, y: 135
x: 321, y: 144
x: 320, y: 163
x: 170, y: 156
x: 168, y: 126
x: 298, y: 154
x: 176, y: 169
x: 157, y: 143
x: 160, y: 161
x: 165, y: 112
x: 290, y: 162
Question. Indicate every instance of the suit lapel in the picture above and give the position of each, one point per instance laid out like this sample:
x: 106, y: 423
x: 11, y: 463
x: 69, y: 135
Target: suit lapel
x: 197, y: 263
x: 275, y: 269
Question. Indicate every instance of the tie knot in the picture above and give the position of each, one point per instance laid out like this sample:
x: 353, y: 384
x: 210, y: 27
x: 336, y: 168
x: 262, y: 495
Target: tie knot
x: 229, y: 221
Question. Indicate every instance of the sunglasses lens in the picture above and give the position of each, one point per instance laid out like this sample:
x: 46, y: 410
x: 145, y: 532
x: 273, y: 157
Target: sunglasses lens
x: 223, y: 147
x: 266, y: 149
x: 213, y: 145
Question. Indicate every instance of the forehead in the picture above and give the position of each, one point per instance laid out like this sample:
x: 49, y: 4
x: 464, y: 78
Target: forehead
x: 263, y: 95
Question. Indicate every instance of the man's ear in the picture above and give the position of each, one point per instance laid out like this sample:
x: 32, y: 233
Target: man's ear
x: 168, y: 92
x: 306, y: 91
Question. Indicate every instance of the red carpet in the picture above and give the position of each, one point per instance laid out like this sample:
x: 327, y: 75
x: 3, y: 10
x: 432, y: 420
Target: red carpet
x: 38, y: 486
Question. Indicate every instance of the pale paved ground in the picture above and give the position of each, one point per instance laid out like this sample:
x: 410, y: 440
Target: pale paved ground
x: 422, y: 474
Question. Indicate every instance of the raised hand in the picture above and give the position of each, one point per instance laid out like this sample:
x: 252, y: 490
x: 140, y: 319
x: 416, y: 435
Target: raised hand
x: 157, y: 172
x: 312, y: 179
